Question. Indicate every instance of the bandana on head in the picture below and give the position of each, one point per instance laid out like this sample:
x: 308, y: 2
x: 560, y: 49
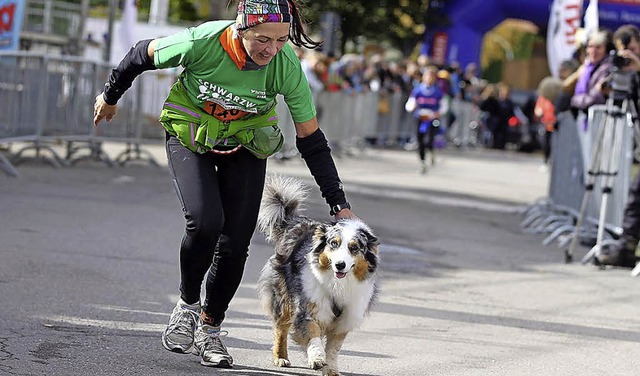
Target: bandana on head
x: 256, y: 12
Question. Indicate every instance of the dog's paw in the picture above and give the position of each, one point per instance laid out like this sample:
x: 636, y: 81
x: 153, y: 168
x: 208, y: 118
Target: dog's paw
x: 281, y: 362
x: 327, y: 371
x: 317, y: 363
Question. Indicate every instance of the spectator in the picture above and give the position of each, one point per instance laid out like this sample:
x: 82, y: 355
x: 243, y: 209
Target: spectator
x: 568, y: 74
x: 623, y: 253
x: 471, y: 74
x: 334, y: 81
x: 507, y: 121
x: 444, y: 83
x: 498, y: 107
x: 548, y: 91
x: 321, y: 70
x: 490, y: 108
x: 530, y: 131
x: 352, y: 74
x: 423, y: 62
x: 308, y: 63
x: 595, y: 69
x: 456, y: 76
x: 395, y: 81
x: 414, y: 74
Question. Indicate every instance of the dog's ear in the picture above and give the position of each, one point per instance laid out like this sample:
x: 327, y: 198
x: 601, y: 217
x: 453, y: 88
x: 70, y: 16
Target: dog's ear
x: 371, y: 254
x: 372, y: 241
x: 320, y: 238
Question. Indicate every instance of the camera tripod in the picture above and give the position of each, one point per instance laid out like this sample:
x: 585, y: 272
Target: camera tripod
x: 606, y: 152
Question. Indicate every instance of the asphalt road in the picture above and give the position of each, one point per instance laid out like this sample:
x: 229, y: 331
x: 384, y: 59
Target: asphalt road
x: 89, y: 275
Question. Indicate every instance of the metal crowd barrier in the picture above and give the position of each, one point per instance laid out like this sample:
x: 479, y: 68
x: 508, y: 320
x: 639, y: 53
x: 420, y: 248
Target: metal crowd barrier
x: 394, y: 125
x: 346, y: 120
x: 48, y: 113
x: 48, y: 100
x: 557, y: 214
x: 466, y: 130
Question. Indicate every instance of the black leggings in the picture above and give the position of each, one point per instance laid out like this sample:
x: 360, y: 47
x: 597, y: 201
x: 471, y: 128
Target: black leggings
x: 220, y: 197
x: 425, y: 140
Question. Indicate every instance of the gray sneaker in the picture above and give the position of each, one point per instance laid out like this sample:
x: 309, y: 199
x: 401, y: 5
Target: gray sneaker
x: 178, y: 336
x: 423, y: 168
x: 209, y: 346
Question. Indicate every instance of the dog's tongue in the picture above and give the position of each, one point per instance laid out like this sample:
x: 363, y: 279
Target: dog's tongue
x: 341, y: 275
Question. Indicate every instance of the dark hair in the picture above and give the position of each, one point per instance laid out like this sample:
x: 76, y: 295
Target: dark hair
x: 297, y: 34
x: 626, y: 33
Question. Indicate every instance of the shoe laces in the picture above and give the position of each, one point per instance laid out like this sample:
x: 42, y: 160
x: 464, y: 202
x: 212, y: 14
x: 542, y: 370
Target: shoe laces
x: 213, y: 341
x: 182, y: 322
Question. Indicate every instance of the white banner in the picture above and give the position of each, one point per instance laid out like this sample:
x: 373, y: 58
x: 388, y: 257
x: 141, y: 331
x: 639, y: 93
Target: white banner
x: 591, y: 21
x: 126, y: 31
x: 564, y: 20
x: 128, y: 24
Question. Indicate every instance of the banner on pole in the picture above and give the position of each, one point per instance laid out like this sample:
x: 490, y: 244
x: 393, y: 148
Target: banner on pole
x: 591, y: 19
x: 128, y: 24
x: 564, y: 21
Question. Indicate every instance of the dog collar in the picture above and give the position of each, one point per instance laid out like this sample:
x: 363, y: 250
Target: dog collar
x: 336, y: 208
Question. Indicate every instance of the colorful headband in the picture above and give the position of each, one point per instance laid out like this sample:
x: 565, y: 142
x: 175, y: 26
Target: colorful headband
x: 256, y: 12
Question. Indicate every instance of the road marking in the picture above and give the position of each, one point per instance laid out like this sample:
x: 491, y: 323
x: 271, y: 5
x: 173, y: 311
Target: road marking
x: 442, y: 201
x: 106, y: 324
x: 125, y: 309
x: 391, y: 248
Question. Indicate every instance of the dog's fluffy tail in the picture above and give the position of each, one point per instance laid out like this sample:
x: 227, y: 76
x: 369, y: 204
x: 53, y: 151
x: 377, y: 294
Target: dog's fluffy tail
x: 281, y: 201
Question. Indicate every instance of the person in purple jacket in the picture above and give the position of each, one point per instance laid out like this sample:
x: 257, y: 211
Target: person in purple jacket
x: 594, y: 72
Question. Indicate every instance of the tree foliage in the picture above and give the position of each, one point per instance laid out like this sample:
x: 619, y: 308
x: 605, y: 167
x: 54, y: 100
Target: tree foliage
x: 399, y: 22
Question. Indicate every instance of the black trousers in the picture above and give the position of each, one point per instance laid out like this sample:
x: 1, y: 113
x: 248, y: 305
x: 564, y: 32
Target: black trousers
x: 425, y: 140
x: 547, y: 145
x: 220, y: 197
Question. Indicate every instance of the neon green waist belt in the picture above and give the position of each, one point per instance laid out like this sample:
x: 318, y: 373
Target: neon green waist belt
x: 201, y: 132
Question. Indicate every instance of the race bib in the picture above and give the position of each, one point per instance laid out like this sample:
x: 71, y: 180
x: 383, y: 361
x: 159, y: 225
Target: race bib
x: 223, y: 114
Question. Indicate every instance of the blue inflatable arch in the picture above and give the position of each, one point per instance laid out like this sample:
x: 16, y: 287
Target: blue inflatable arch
x: 471, y: 19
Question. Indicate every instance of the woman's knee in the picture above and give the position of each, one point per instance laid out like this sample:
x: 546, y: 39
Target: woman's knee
x: 204, y: 224
x: 237, y: 249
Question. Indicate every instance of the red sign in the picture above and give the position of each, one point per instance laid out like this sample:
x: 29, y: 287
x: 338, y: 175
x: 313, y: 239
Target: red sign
x: 6, y: 17
x: 439, y: 49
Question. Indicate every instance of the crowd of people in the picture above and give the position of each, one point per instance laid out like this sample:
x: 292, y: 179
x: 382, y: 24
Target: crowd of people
x: 359, y: 73
x: 502, y: 120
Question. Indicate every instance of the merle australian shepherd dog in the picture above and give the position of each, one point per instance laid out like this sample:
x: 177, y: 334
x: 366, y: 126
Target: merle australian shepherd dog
x: 321, y: 281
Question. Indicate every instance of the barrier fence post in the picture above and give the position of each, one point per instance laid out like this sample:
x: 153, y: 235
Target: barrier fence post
x: 133, y: 151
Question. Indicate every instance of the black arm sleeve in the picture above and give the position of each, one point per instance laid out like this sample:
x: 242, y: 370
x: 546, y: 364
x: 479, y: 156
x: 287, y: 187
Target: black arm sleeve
x: 315, y: 151
x: 135, y: 62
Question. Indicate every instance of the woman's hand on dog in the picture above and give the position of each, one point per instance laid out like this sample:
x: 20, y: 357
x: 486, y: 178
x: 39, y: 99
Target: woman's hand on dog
x: 102, y: 110
x: 345, y: 213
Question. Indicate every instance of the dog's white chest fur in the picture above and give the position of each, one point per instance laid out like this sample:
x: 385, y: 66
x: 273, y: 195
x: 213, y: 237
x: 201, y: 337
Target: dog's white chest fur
x: 350, y: 296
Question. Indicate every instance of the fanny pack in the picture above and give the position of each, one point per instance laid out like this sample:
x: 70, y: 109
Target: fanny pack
x: 201, y: 132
